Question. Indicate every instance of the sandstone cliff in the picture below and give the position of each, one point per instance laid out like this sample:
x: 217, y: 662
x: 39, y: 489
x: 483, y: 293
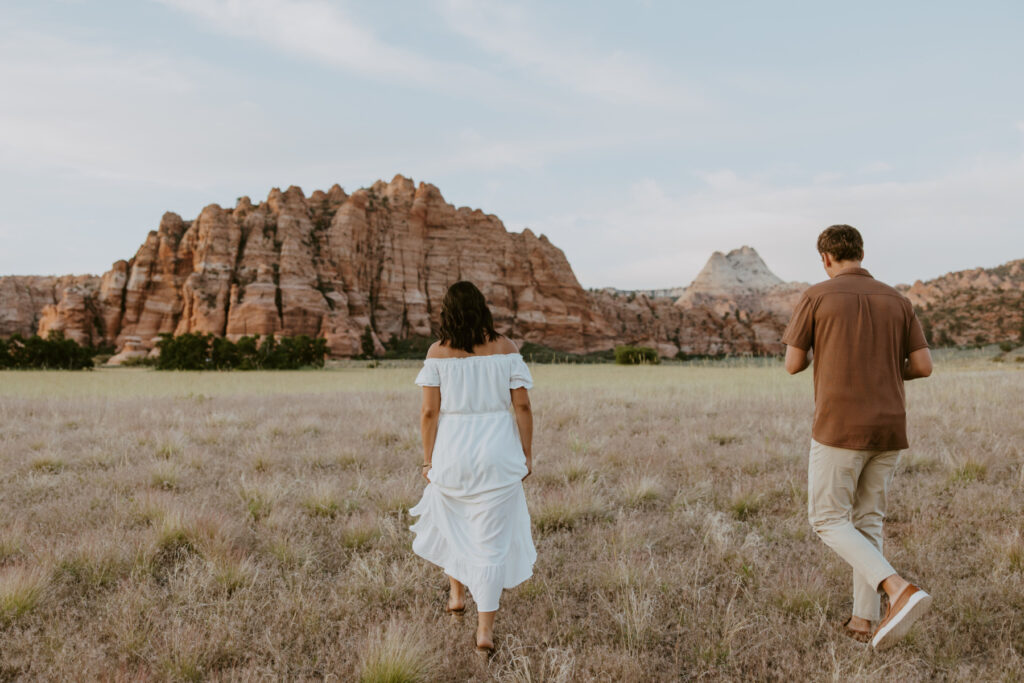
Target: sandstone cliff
x: 982, y: 305
x: 333, y: 264
x: 328, y: 265
x: 30, y: 302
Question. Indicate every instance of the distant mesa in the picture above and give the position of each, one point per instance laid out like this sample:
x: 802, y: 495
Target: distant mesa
x: 333, y: 265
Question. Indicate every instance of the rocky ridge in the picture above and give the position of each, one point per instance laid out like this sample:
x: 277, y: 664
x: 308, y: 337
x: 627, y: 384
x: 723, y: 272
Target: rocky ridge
x: 329, y: 265
x: 977, y: 306
x: 334, y: 264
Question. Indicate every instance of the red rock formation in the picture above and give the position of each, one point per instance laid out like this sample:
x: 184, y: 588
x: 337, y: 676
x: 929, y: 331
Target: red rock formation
x: 982, y: 305
x: 331, y: 265
x: 38, y: 303
x: 328, y: 266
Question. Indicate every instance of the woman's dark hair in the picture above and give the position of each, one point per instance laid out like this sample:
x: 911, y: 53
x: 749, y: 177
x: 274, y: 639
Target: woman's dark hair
x: 465, y: 319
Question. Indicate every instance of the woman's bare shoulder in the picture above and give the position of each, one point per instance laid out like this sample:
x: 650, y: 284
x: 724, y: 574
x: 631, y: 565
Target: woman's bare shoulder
x: 438, y: 350
x: 506, y: 345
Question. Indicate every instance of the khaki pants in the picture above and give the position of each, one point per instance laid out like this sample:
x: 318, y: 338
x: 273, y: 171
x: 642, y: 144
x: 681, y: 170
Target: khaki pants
x: 846, y: 499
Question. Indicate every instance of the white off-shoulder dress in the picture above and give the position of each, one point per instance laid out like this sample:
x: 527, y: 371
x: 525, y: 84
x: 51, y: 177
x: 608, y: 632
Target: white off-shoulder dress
x: 473, y: 521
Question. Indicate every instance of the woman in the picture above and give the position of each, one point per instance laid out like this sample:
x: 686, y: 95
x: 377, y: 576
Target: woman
x: 473, y: 518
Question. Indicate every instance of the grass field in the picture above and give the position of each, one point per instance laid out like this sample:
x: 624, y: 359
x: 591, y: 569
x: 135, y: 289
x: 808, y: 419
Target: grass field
x: 234, y: 526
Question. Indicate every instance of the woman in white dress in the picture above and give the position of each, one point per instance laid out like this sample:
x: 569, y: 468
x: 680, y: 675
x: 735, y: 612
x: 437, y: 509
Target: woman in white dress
x: 473, y: 521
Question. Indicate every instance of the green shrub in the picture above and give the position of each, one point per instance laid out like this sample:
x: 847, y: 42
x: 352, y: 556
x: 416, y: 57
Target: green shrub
x: 538, y: 353
x: 55, y: 352
x: 366, y: 342
x: 196, y: 351
x: 636, y: 355
x: 414, y: 347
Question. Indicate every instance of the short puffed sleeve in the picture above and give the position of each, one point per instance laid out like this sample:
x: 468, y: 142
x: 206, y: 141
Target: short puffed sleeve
x: 429, y: 376
x: 520, y: 375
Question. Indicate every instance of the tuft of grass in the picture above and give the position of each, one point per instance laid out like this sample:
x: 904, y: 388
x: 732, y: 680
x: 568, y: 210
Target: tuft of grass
x: 12, y: 545
x: 968, y: 472
x: 632, y: 610
x: 360, y: 533
x: 567, y: 512
x: 641, y: 491
x: 322, y: 501
x: 290, y: 553
x: 800, y: 602
x: 94, y: 564
x: 382, y: 437
x: 576, y: 468
x: 1015, y: 554
x: 49, y: 465
x: 165, y: 476
x: 232, y: 570
x: 21, y: 589
x: 578, y: 445
x: 745, y: 505
x: 399, y: 653
x: 723, y: 439
x: 168, y: 451
x: 175, y: 535
x: 258, y: 500
x: 189, y: 653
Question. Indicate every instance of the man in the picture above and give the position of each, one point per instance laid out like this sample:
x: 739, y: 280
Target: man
x: 866, y: 341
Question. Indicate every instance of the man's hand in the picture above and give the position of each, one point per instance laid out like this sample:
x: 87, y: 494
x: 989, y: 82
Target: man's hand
x: 797, y: 359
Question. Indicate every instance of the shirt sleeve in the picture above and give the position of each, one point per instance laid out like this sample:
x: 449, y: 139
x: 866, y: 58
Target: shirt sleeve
x: 915, y: 335
x: 429, y: 375
x: 800, y: 331
x: 520, y: 376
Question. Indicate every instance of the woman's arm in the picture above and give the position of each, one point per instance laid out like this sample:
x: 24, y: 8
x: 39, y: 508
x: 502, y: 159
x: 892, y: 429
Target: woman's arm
x: 430, y: 412
x: 524, y: 420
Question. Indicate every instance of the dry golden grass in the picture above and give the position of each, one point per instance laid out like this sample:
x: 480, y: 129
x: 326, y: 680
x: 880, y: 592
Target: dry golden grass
x: 235, y: 526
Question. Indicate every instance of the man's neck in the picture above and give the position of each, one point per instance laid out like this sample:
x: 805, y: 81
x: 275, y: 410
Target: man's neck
x: 839, y: 266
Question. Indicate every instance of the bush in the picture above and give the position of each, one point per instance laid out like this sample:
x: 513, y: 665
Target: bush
x: 366, y: 342
x: 56, y: 352
x: 196, y: 351
x: 636, y: 355
x: 413, y: 347
x: 537, y: 353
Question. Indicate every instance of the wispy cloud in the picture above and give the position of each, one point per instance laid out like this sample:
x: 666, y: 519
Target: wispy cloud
x: 612, y: 76
x: 325, y: 33
x: 88, y: 108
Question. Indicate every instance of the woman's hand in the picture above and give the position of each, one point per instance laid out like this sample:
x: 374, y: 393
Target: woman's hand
x: 529, y: 466
x: 423, y: 472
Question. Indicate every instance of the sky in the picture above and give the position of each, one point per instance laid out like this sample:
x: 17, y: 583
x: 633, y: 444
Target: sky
x: 639, y: 135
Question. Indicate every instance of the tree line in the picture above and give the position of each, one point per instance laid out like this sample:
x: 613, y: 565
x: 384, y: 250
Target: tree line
x: 197, y: 351
x: 54, y: 352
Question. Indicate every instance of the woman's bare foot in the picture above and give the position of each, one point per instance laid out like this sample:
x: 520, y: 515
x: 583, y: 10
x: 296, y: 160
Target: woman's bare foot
x: 456, y: 596
x: 485, y: 631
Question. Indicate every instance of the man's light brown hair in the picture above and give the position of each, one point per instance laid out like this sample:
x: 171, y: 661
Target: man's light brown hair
x: 842, y: 243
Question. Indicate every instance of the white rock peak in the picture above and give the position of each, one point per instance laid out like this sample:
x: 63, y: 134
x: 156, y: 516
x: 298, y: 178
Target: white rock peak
x: 740, y: 271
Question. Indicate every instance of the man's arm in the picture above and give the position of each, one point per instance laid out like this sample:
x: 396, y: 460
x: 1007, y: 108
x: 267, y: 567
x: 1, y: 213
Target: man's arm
x: 797, y: 359
x: 919, y: 364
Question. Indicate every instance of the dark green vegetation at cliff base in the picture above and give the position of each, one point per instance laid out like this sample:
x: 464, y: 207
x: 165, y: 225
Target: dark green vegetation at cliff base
x: 55, y: 352
x: 194, y: 351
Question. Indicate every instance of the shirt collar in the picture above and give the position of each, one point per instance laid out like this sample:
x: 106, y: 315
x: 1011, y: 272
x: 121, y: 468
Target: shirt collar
x: 853, y: 270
